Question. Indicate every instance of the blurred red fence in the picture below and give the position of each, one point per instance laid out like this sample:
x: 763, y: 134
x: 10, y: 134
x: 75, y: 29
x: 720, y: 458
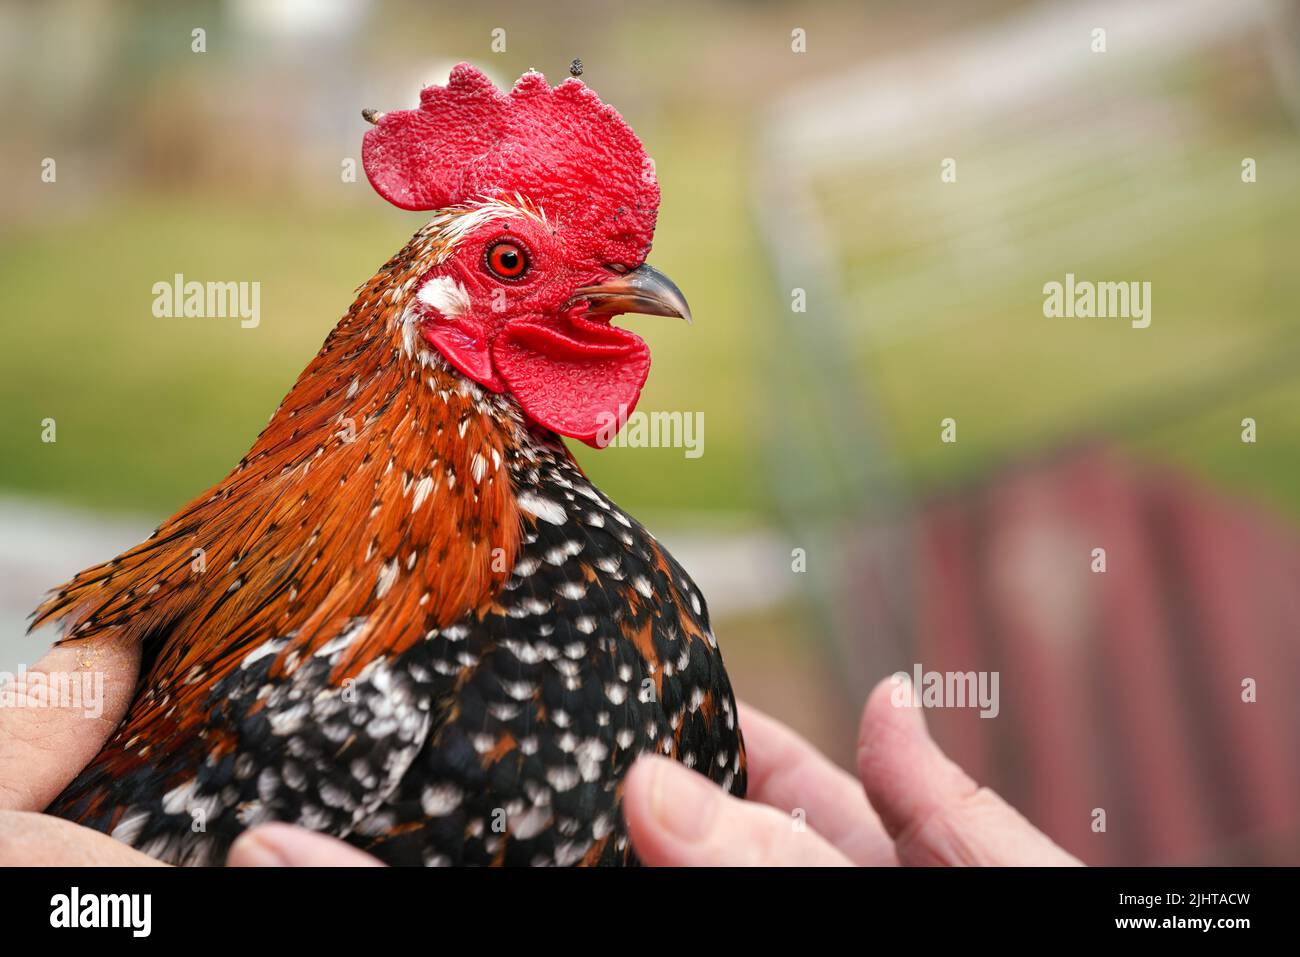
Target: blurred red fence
x: 1160, y: 691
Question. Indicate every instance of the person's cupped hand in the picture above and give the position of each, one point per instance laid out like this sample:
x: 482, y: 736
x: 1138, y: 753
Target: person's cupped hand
x: 909, y: 803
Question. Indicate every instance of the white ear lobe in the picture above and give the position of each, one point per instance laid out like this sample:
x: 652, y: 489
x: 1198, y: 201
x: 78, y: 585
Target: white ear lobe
x: 445, y: 296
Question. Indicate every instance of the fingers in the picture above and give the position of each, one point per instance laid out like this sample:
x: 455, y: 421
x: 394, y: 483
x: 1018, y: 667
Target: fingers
x: 28, y: 839
x: 788, y: 773
x: 55, y: 717
x: 935, y: 812
x: 677, y: 817
x: 283, y: 845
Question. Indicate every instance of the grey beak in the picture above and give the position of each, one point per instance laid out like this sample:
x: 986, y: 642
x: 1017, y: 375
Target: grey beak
x: 644, y: 290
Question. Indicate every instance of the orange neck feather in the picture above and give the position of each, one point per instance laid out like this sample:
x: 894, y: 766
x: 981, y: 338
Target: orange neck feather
x: 377, y: 501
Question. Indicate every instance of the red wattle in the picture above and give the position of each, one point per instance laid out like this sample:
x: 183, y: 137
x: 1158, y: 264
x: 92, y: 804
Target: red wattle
x: 467, y: 353
x: 582, y: 385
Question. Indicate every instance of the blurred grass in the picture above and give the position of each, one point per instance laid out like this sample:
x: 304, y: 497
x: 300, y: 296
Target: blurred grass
x: 158, y: 409
x: 1223, y: 344
x: 151, y: 411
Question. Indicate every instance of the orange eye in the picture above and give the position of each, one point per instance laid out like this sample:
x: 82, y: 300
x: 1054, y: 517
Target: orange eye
x: 507, y: 260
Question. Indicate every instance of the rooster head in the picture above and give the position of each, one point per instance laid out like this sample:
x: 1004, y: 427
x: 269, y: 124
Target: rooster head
x: 545, y: 205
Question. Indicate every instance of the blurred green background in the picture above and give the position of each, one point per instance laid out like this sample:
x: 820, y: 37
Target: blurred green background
x: 227, y: 165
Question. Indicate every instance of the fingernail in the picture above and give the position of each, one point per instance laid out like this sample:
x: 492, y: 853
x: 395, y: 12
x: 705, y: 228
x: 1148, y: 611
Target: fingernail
x: 251, y: 851
x: 682, y: 801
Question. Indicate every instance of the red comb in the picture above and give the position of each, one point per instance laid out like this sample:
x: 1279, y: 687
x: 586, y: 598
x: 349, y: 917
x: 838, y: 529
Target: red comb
x: 562, y: 149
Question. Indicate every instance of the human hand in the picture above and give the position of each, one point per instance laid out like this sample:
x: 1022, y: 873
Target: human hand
x: 44, y: 743
x: 912, y: 806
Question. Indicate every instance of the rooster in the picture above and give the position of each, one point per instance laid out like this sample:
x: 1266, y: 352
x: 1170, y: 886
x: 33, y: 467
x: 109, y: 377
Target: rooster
x: 406, y: 618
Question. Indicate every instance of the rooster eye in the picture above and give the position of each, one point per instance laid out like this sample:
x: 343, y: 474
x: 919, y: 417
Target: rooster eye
x: 507, y: 260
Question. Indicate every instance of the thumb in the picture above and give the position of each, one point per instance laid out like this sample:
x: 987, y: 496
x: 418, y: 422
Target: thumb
x: 677, y: 817
x: 56, y: 715
x: 931, y: 808
x: 283, y: 845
